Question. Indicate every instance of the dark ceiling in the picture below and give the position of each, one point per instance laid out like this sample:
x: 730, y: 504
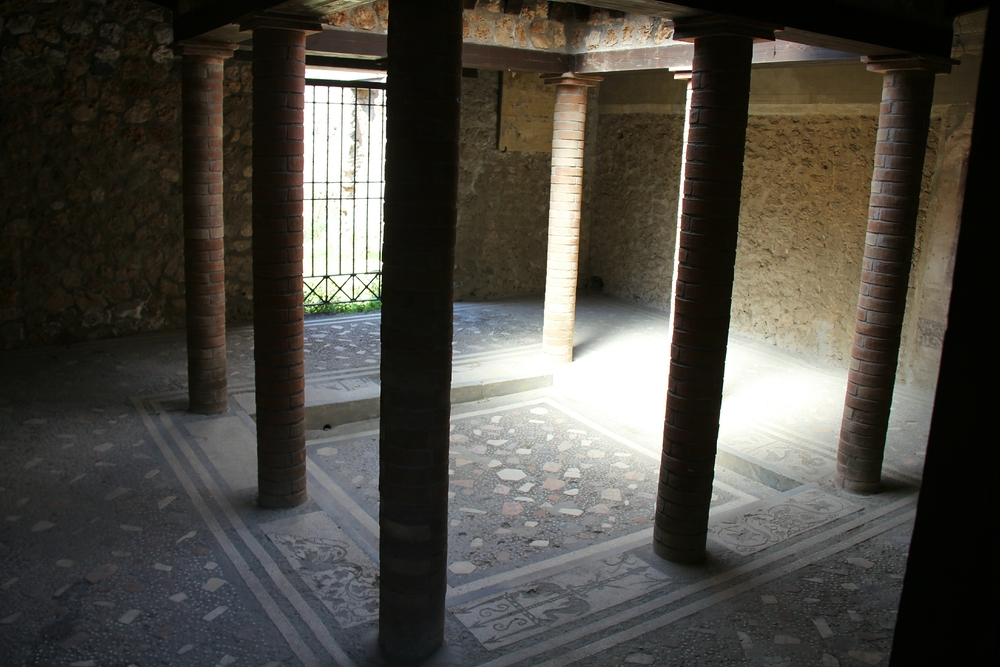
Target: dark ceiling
x: 859, y: 26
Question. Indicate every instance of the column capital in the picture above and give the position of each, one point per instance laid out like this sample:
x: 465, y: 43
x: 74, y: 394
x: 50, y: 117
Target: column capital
x: 281, y: 21
x: 571, y: 79
x: 204, y: 48
x: 909, y: 61
x: 684, y: 74
x: 689, y: 29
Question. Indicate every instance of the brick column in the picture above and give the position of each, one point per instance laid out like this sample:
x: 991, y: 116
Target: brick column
x: 904, y: 119
x: 418, y: 264
x: 685, y: 76
x: 204, y: 261
x: 278, y: 103
x: 565, y: 199
x: 720, y: 94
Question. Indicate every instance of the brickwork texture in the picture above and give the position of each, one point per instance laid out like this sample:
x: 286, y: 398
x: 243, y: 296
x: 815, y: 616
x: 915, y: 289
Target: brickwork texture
x: 204, y: 254
x: 422, y: 158
x: 278, y: 103
x: 565, y: 201
x: 904, y: 121
x: 709, y: 227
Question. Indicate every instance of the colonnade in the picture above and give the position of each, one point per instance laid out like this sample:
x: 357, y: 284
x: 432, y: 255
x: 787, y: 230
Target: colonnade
x: 423, y: 98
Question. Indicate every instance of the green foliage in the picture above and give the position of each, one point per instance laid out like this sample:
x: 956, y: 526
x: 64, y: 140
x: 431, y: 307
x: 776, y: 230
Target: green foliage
x: 335, y: 308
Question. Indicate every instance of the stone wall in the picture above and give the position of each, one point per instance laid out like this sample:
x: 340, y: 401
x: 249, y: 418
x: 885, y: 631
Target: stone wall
x: 91, y: 102
x: 503, y: 205
x: 809, y: 159
x: 806, y: 183
x: 634, y: 205
x: 636, y: 184
x: 237, y: 180
x: 503, y: 200
x: 90, y: 205
x: 802, y: 222
x: 531, y: 28
x: 934, y: 251
x: 807, y: 178
x: 90, y: 200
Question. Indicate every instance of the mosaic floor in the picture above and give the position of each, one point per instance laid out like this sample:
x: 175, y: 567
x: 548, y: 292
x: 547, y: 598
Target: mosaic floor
x: 130, y: 534
x: 527, y: 480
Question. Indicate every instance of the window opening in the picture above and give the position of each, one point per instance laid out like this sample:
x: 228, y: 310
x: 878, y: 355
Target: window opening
x: 344, y: 186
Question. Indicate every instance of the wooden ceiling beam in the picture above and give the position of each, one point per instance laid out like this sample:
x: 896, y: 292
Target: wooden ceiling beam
x: 372, y: 46
x: 678, y: 56
x: 347, y: 43
x: 485, y: 56
x: 653, y: 8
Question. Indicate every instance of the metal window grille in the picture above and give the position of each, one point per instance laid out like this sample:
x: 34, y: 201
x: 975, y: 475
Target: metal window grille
x: 344, y: 187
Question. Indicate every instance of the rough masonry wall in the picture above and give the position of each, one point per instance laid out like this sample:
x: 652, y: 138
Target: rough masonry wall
x: 90, y: 105
x: 807, y: 178
x: 485, y: 22
x: 806, y: 185
x: 810, y: 145
x: 634, y: 205
x: 503, y: 202
x: 934, y: 248
x: 90, y: 202
x: 531, y: 28
x: 237, y: 180
x: 802, y: 223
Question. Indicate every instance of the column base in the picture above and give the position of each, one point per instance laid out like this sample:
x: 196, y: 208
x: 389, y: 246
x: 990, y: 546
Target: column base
x: 205, y: 408
x: 419, y: 652
x: 559, y: 355
x: 856, y: 487
x: 269, y: 501
x: 445, y: 655
x: 679, y: 555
